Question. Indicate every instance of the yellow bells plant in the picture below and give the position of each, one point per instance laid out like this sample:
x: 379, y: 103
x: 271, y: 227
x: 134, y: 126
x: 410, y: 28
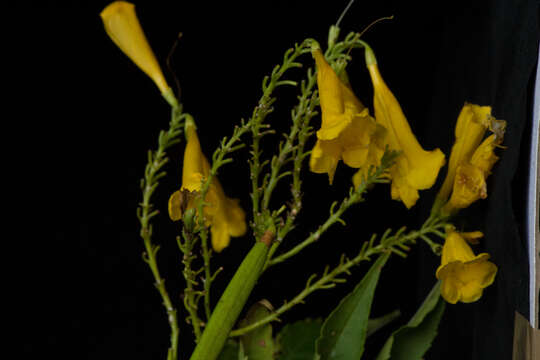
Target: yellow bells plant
x: 224, y: 215
x: 471, y: 159
x: 415, y: 169
x: 123, y: 27
x: 347, y: 131
x: 463, y: 274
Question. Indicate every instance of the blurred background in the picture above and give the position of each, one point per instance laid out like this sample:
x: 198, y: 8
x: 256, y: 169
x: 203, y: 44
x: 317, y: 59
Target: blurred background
x: 93, y: 115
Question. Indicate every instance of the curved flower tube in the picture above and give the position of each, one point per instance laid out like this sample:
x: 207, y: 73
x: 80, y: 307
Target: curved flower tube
x: 224, y: 215
x: 472, y: 123
x: 464, y: 275
x: 416, y: 169
x: 347, y: 129
x: 471, y: 159
x: 470, y: 177
x: 123, y: 27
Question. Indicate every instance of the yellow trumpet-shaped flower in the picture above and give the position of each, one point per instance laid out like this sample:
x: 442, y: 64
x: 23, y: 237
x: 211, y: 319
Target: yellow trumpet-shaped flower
x: 471, y: 158
x: 472, y: 123
x: 415, y: 169
x: 470, y: 177
x: 224, y: 215
x: 124, y: 29
x: 464, y: 275
x: 347, y: 130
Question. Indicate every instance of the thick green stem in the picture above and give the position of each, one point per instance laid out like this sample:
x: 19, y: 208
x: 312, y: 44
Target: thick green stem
x: 232, y: 301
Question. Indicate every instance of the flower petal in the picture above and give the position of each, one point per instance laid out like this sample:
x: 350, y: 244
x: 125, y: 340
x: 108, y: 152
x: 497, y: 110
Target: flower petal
x: 236, y: 218
x: 419, y: 168
x: 484, y: 157
x: 175, y: 205
x: 450, y: 290
x: 224, y: 215
x: 469, y: 186
x: 472, y: 237
x: 463, y: 275
x: 456, y: 249
x: 220, y: 234
x: 472, y: 123
x: 325, y: 157
x: 124, y: 29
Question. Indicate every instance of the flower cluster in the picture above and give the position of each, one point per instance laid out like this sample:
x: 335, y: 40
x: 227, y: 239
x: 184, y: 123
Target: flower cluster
x: 350, y: 134
x: 464, y: 275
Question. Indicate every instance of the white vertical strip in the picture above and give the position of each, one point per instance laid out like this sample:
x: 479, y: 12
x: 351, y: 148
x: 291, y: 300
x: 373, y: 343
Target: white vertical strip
x: 532, y: 205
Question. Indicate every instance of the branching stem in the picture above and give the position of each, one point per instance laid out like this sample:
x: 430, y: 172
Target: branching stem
x: 145, y: 212
x: 330, y: 279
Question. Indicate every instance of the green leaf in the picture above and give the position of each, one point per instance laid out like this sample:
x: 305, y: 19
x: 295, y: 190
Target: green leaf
x: 344, y: 331
x: 297, y: 340
x: 258, y: 344
x: 380, y: 322
x: 411, y: 341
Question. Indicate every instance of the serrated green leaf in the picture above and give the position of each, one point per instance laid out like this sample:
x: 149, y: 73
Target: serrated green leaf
x: 297, y: 340
x: 411, y: 341
x: 258, y: 344
x: 344, y: 331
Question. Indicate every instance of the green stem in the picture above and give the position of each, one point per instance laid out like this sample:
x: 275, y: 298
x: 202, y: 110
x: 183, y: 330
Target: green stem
x: 330, y: 279
x: 335, y: 216
x: 190, y: 296
x: 146, y: 212
x: 167, y: 303
x: 232, y: 301
x: 207, y: 273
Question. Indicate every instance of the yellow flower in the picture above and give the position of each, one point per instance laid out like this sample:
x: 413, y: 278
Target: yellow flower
x: 415, y: 169
x: 471, y: 159
x: 472, y: 123
x: 375, y: 153
x: 469, y: 186
x: 347, y: 129
x: 224, y: 215
x: 464, y: 275
x: 124, y: 29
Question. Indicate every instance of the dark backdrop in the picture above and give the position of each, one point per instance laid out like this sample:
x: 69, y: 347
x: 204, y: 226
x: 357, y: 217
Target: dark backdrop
x: 93, y: 115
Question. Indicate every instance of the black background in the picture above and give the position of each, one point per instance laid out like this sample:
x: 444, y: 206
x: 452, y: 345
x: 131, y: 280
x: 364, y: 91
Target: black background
x: 89, y: 117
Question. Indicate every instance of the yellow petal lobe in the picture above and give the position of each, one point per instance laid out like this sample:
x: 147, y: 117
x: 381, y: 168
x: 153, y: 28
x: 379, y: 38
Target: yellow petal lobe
x: 325, y: 157
x: 175, y: 206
